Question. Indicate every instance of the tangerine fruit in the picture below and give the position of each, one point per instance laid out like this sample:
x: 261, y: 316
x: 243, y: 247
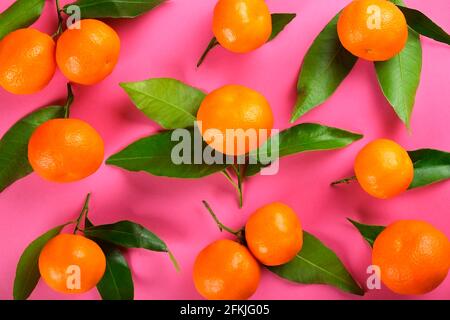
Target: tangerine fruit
x: 374, y: 30
x: 88, y: 55
x: 71, y: 263
x: 413, y: 256
x: 274, y: 234
x: 27, y: 61
x: 235, y: 119
x: 226, y: 270
x: 65, y: 150
x: 242, y: 25
x: 384, y: 169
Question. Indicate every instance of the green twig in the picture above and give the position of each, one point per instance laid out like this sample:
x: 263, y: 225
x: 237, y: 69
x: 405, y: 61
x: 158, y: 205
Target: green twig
x: 220, y: 224
x: 345, y: 180
x: 60, y: 20
x: 237, y: 171
x: 211, y: 45
x: 84, y: 212
x: 69, y: 101
x: 174, y: 261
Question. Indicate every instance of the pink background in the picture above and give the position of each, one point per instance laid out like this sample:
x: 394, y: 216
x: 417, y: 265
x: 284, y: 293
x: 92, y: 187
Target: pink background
x: 166, y: 43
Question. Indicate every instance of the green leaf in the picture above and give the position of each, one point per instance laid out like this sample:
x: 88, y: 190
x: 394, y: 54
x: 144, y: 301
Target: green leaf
x: 21, y: 14
x: 300, y: 138
x: 369, y: 232
x: 153, y: 154
x: 317, y: 264
x: 424, y: 25
x: 430, y: 166
x: 27, y: 272
x: 14, y: 145
x: 325, y: 66
x: 113, y: 8
x: 169, y: 102
x: 126, y: 234
x: 279, y: 22
x: 399, y: 77
x: 117, y: 282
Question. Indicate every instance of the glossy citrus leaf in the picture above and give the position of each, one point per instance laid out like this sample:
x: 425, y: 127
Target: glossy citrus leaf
x: 27, y: 272
x: 325, y: 66
x: 21, y: 14
x: 117, y: 282
x: 424, y: 25
x: 14, y: 145
x: 113, y: 8
x: 169, y: 102
x: 153, y: 154
x: 430, y: 166
x: 399, y: 77
x: 303, y: 137
x: 317, y: 264
x: 279, y: 22
x: 126, y: 234
x: 369, y: 232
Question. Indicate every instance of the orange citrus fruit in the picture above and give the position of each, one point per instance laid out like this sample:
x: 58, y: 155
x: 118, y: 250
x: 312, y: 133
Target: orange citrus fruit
x: 65, y: 150
x: 89, y: 54
x: 374, y: 30
x: 71, y: 263
x: 384, y: 169
x: 242, y: 25
x: 274, y: 234
x: 226, y: 270
x: 27, y: 61
x: 235, y: 119
x: 413, y: 256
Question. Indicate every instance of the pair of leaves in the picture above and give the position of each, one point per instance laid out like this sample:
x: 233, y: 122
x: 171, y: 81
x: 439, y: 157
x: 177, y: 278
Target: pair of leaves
x: 398, y: 77
x: 317, y: 264
x: 279, y: 22
x: 113, y: 8
x: 20, y: 14
x: 117, y: 282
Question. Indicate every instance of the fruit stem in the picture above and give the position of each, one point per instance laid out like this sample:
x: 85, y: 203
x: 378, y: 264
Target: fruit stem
x: 221, y: 226
x: 60, y: 20
x: 84, y: 212
x: 69, y: 101
x: 174, y: 261
x: 345, y: 180
x: 237, y: 171
x: 211, y: 45
x: 238, y: 190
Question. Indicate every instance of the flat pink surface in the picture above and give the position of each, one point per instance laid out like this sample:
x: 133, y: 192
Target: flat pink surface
x: 166, y: 43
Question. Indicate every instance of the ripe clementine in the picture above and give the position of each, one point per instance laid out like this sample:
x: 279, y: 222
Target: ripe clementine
x: 89, y: 54
x: 27, y: 61
x: 71, y: 263
x: 384, y: 169
x: 226, y: 270
x: 413, y: 256
x: 65, y: 150
x: 274, y: 234
x: 242, y: 25
x: 374, y: 30
x: 235, y: 119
